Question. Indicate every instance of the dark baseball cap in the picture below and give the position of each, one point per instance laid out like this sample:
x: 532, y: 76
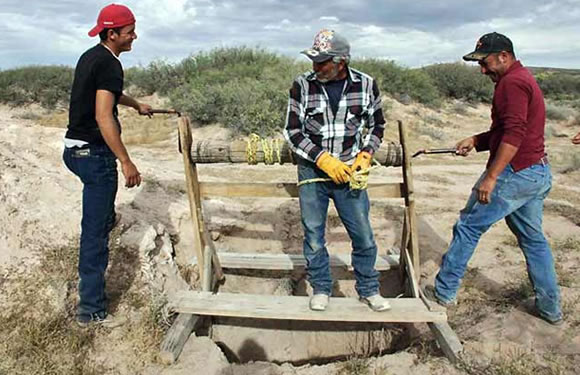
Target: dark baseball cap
x: 327, y: 44
x: 489, y: 43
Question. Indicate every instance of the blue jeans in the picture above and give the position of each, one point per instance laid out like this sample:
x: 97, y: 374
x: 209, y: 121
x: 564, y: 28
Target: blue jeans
x: 519, y: 198
x: 353, y: 208
x: 96, y: 167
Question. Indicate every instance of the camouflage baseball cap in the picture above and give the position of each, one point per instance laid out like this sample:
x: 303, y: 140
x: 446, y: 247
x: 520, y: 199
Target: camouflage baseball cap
x: 327, y: 44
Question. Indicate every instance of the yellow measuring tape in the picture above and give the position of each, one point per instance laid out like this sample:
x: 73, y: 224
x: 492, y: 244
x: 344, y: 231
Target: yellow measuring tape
x: 359, y: 180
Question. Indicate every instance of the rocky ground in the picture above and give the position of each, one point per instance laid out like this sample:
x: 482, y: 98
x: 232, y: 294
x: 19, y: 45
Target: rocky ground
x: 39, y: 225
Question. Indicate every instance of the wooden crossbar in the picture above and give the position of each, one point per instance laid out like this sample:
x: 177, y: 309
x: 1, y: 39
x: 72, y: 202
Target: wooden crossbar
x: 340, y: 309
x: 284, y: 190
x: 285, y: 262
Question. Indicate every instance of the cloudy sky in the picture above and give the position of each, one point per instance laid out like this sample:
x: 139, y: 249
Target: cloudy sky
x: 412, y: 33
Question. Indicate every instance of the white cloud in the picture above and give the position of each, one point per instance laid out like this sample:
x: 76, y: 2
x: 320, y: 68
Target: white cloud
x: 413, y: 34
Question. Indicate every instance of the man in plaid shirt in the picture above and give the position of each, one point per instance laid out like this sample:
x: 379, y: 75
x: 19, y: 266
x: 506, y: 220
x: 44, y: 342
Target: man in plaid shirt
x: 334, y: 125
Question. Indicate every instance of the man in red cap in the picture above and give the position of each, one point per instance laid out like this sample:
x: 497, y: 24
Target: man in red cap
x: 92, y: 146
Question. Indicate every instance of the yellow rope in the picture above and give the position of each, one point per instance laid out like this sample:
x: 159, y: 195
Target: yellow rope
x: 272, y: 150
x: 359, y: 180
x: 252, y: 149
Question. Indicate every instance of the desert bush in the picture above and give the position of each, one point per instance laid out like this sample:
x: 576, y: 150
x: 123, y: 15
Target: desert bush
x: 461, y: 81
x: 559, y: 85
x: 244, y: 89
x: 557, y: 112
x: 396, y: 80
x: 46, y: 85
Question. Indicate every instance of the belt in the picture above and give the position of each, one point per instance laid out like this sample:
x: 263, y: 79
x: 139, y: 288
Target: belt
x: 543, y: 160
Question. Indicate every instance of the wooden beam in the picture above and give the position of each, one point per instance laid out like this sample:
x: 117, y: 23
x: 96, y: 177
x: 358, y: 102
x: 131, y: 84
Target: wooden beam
x: 176, y: 337
x: 282, y: 190
x: 287, y: 262
x: 340, y: 309
x: 445, y: 336
x: 214, y: 151
x: 408, y: 194
x: 192, y: 183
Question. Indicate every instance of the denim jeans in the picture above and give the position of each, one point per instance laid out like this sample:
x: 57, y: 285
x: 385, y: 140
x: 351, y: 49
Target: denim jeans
x: 353, y: 208
x: 519, y: 198
x: 96, y: 167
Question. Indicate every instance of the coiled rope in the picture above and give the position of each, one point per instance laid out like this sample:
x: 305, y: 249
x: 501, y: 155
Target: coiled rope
x: 359, y: 180
x: 271, y: 149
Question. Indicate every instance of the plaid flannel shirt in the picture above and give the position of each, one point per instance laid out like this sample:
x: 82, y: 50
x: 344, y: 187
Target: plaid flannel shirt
x: 312, y: 128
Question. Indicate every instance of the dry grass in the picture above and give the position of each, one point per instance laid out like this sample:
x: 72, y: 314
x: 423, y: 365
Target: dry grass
x: 517, y: 363
x: 39, y: 335
x: 355, y: 366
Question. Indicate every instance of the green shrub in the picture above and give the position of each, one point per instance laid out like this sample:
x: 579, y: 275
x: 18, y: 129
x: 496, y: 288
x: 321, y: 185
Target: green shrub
x: 558, y: 85
x: 46, y: 85
x: 243, y: 89
x: 557, y: 112
x: 461, y: 81
x: 396, y: 80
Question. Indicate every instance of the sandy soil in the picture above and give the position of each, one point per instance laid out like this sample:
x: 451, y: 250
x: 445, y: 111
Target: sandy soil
x: 40, y: 207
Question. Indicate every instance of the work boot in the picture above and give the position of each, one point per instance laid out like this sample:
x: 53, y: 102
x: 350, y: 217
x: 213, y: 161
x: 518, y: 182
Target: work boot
x: 376, y: 302
x: 429, y: 292
x: 318, y: 302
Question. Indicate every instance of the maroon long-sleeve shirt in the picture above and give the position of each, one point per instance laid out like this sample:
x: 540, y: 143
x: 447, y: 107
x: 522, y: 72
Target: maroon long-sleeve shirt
x: 518, y: 117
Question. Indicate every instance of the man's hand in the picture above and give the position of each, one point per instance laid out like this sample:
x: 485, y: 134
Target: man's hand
x: 576, y: 139
x: 334, y: 168
x: 485, y: 189
x: 144, y: 109
x: 362, y: 161
x: 464, y: 146
x: 132, y: 175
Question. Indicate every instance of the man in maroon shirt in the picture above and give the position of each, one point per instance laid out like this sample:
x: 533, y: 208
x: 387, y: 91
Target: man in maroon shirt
x: 516, y: 180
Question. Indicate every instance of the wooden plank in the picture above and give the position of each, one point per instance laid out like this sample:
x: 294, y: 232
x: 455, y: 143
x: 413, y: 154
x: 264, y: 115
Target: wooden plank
x: 193, y: 194
x: 284, y: 262
x: 408, y: 194
x: 404, y: 310
x: 218, y: 272
x: 404, y: 244
x: 411, y: 275
x: 176, y: 337
x: 447, y: 340
x: 282, y: 190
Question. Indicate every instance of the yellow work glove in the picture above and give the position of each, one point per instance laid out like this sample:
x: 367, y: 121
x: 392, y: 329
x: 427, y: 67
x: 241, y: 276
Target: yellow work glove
x: 334, y: 168
x: 362, y: 161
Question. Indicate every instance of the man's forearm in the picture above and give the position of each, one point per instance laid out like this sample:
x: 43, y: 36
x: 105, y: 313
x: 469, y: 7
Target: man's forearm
x: 504, y: 156
x: 129, y: 101
x: 112, y: 137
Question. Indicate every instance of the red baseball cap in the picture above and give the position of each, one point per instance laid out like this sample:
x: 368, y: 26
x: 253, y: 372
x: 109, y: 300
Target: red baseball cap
x: 112, y: 16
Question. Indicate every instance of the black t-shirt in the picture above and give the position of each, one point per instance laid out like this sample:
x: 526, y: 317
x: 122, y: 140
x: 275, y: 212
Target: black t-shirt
x: 334, y: 90
x: 97, y: 69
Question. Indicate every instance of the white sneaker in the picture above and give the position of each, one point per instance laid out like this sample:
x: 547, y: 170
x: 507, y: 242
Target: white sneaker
x: 318, y: 302
x: 376, y: 302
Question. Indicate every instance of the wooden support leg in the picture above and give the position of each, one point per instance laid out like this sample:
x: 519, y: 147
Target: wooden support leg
x: 179, y: 332
x: 410, y: 202
x: 176, y: 337
x: 447, y: 340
